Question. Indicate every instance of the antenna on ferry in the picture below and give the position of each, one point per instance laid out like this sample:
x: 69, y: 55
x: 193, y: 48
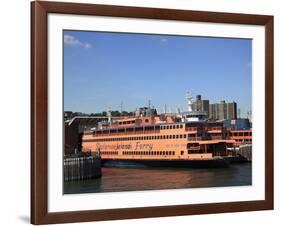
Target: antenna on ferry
x: 109, y: 114
x: 149, y: 103
x: 121, y: 107
x: 189, y: 100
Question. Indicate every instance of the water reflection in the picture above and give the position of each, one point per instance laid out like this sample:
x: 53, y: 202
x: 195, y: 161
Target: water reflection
x: 124, y: 179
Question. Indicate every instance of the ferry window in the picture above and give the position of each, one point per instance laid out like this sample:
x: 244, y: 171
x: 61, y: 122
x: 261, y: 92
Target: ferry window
x: 160, y: 153
x: 177, y: 136
x: 173, y: 152
x: 174, y: 136
x: 169, y: 153
x: 170, y: 136
x: 181, y: 136
x: 157, y: 153
x: 178, y: 126
x: 174, y: 126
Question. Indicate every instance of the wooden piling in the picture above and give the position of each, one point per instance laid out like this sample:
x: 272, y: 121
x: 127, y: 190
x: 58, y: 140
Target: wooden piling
x: 81, y: 167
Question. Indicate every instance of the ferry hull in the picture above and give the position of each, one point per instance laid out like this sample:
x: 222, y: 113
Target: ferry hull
x: 180, y: 163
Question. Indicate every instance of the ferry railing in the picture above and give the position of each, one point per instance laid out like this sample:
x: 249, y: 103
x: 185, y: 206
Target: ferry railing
x: 126, y: 133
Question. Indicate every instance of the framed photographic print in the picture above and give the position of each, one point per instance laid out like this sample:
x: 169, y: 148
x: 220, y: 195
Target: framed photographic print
x: 148, y: 112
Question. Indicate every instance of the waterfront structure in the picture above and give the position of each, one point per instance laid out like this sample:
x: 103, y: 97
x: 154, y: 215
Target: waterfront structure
x: 223, y: 111
x: 240, y: 137
x: 238, y: 124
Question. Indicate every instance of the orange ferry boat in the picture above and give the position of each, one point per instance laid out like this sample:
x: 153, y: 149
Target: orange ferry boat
x: 157, y: 141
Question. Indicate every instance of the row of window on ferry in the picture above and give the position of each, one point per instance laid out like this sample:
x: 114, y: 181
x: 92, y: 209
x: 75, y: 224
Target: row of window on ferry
x: 178, y: 136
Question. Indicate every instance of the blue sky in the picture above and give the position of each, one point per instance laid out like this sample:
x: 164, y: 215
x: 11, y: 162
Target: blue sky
x: 103, y: 69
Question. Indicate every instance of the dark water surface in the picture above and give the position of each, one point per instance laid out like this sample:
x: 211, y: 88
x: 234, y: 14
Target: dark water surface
x: 137, y: 179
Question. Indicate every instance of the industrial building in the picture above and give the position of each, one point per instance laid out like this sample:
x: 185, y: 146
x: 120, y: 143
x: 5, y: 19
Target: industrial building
x: 223, y: 111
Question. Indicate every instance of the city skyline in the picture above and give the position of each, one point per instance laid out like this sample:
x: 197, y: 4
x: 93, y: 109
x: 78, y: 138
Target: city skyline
x: 103, y: 70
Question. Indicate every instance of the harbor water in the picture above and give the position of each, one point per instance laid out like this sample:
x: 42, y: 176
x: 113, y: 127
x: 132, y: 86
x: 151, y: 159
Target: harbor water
x: 139, y: 179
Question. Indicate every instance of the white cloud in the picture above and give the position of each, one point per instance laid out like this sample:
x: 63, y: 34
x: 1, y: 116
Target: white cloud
x: 71, y: 40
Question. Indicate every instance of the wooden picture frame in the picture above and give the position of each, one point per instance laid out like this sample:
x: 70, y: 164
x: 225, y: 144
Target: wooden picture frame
x: 39, y: 109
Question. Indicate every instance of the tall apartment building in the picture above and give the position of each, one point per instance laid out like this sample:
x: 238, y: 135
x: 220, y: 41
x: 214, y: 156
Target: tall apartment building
x: 223, y: 111
x: 200, y: 105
